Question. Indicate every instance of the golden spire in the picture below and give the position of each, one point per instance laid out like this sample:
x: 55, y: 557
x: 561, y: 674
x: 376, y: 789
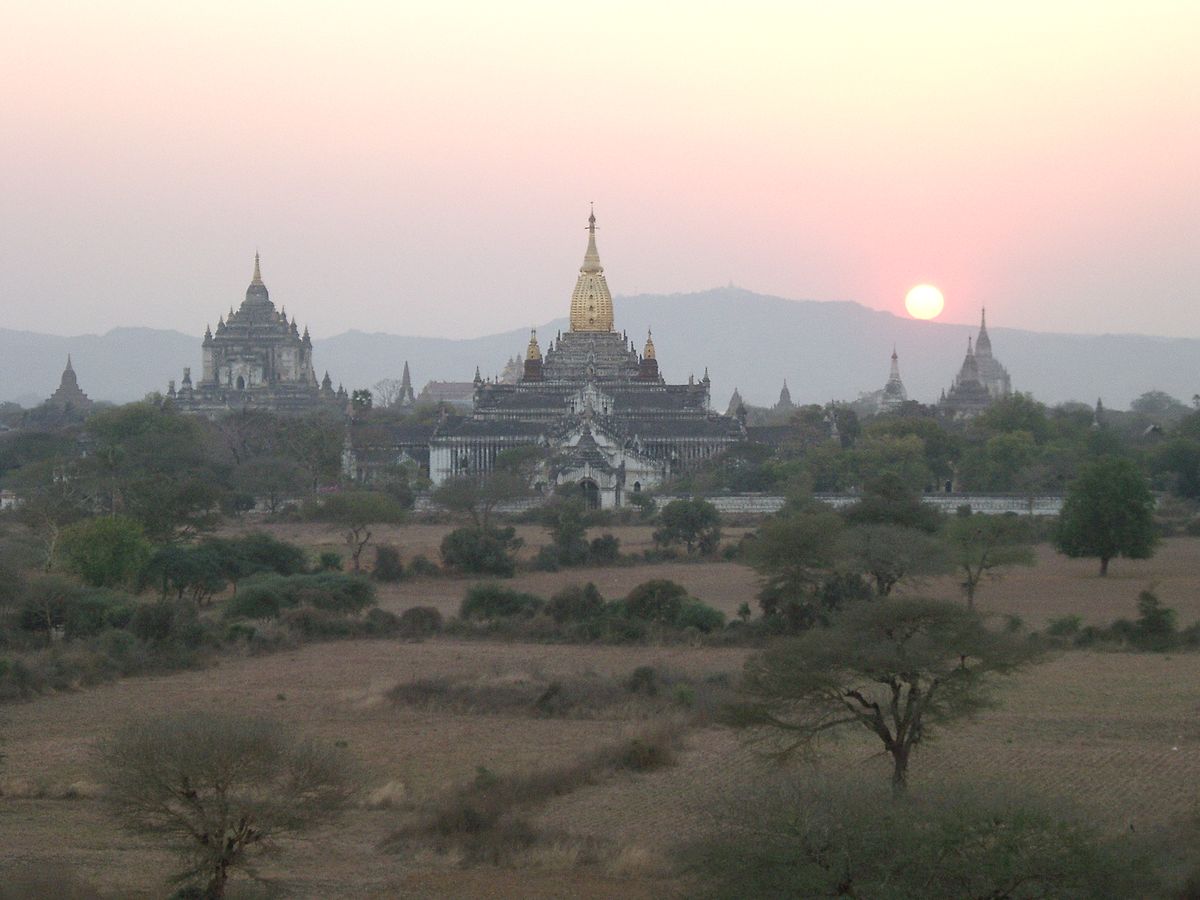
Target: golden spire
x: 257, y: 279
x: 648, y: 353
x: 591, y: 303
x: 534, y: 351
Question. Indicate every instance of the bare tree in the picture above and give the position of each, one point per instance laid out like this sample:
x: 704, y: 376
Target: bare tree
x: 387, y: 392
x: 220, y: 788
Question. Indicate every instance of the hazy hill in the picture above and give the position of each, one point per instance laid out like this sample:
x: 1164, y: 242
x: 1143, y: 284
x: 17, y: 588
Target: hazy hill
x: 825, y: 350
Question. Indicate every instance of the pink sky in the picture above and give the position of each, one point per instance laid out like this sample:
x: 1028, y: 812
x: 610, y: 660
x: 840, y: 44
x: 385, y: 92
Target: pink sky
x: 427, y: 170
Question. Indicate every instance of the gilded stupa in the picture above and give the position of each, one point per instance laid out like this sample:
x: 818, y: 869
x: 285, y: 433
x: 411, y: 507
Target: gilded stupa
x: 591, y: 302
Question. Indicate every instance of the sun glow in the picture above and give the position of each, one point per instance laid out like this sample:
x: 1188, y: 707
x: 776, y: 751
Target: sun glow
x: 924, y: 302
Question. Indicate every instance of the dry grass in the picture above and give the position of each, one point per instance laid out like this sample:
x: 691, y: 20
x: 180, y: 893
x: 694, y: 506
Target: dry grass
x: 1116, y: 734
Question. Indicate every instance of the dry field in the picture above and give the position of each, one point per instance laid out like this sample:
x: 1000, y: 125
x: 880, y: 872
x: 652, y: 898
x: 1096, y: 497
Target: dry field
x: 1116, y: 735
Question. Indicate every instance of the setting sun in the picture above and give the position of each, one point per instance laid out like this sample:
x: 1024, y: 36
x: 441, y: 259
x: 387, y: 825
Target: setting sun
x: 924, y: 302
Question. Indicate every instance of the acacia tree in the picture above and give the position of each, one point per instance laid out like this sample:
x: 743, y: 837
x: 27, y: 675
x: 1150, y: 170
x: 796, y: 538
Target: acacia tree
x: 898, y: 669
x: 1109, y: 512
x: 219, y: 788
x: 356, y: 512
x: 981, y: 546
x: 795, y: 554
x: 889, y: 554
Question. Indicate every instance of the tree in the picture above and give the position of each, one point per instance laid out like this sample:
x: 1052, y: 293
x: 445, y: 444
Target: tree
x: 694, y: 523
x: 220, y: 788
x: 981, y: 546
x: 271, y: 479
x: 478, y: 496
x: 794, y: 555
x: 898, y: 669
x: 888, y: 554
x: 106, y: 552
x: 1109, y: 512
x: 361, y: 400
x: 568, y: 531
x: 789, y: 837
x: 887, y: 500
x: 356, y: 512
x: 481, y: 551
x: 389, y: 392
x: 194, y: 572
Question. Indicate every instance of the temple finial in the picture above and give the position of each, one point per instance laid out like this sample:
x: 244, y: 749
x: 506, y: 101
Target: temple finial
x: 257, y: 279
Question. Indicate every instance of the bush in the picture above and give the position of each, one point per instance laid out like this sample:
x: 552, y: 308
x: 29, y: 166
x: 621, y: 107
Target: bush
x: 154, y: 622
x: 312, y: 622
x: 92, y: 612
x: 656, y: 601
x: 329, y: 561
x: 481, y: 551
x: 699, y: 615
x: 1064, y: 626
x: 388, y: 566
x: 1155, y: 624
x: 546, y: 559
x: 576, y: 604
x: 265, y: 596
x: 421, y: 567
x: 255, y: 601
x: 381, y: 623
x: 419, y: 622
x: 493, y: 601
x: 605, y: 550
x: 796, y: 840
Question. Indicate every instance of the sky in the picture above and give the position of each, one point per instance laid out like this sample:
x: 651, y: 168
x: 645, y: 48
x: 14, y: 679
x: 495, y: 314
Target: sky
x: 423, y: 168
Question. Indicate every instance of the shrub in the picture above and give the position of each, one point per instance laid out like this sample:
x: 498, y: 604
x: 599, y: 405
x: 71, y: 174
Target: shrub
x: 312, y: 622
x: 388, y: 566
x: 1064, y: 626
x: 420, y: 566
x: 255, y: 601
x: 546, y: 559
x: 266, y: 596
x: 1155, y: 624
x: 92, y: 612
x: 154, y: 621
x: 605, y: 550
x: 329, y: 561
x: 699, y: 615
x: 480, y: 550
x: 419, y: 622
x: 790, y: 840
x: 656, y: 601
x: 576, y: 604
x: 381, y: 623
x: 493, y: 601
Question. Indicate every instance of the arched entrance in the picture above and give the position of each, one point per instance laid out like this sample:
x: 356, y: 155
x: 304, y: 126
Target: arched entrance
x: 241, y: 383
x: 591, y: 493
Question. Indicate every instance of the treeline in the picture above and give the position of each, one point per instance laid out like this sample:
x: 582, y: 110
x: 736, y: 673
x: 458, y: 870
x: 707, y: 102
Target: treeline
x: 1017, y: 446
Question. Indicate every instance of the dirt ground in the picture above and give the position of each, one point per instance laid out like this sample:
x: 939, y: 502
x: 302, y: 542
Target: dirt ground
x: 1115, y: 735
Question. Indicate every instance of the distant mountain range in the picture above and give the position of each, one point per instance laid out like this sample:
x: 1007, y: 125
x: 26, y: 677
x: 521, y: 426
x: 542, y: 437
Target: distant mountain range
x: 825, y: 350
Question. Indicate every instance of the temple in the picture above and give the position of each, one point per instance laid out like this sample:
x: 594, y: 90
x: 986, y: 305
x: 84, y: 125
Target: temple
x: 256, y: 358
x: 981, y: 379
x: 69, y: 399
x: 603, y: 411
